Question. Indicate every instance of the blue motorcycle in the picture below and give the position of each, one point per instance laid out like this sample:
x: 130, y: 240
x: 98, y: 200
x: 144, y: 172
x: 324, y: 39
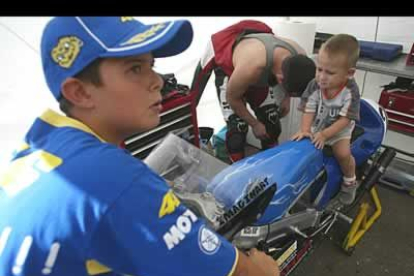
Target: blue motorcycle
x: 279, y: 199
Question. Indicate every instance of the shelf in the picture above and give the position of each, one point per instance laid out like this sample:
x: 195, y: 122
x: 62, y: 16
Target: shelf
x: 397, y: 67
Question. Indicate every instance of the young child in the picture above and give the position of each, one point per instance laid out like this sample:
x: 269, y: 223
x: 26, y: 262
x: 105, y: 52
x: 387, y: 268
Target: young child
x: 330, y: 106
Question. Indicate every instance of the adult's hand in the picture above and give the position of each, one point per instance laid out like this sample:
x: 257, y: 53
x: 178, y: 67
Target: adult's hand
x: 259, y: 131
x: 266, y: 263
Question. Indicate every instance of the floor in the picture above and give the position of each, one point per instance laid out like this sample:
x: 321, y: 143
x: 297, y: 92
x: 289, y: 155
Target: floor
x: 386, y: 249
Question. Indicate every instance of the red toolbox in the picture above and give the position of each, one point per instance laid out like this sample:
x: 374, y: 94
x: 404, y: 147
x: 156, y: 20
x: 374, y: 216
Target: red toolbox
x: 399, y: 106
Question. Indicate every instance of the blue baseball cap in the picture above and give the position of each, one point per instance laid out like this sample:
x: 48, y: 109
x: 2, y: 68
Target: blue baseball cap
x: 69, y: 44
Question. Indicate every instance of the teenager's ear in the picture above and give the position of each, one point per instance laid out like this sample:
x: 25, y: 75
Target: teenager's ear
x: 74, y: 90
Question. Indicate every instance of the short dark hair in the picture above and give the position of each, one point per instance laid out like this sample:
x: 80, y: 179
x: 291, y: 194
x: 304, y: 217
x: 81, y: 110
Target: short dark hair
x: 89, y: 74
x: 298, y: 71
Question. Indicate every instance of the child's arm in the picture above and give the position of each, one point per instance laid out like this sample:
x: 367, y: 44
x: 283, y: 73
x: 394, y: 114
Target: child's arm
x: 308, y: 105
x: 335, y: 127
x: 305, y: 127
x: 320, y: 137
x: 307, y: 120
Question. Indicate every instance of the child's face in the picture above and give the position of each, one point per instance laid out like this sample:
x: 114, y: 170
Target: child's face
x: 129, y: 99
x: 332, y: 72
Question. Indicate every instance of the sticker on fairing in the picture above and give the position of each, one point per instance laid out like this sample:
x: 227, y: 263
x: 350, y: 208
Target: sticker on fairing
x: 208, y: 241
x: 250, y: 231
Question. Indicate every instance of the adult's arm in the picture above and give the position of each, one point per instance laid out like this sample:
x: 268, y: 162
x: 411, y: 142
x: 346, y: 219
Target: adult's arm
x: 244, y: 75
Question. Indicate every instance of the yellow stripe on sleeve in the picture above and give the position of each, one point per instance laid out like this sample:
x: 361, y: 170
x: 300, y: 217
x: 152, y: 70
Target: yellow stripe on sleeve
x: 236, y: 260
x: 95, y: 268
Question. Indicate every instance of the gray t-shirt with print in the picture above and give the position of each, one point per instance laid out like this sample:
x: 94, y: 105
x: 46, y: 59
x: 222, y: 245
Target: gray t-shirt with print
x: 327, y: 111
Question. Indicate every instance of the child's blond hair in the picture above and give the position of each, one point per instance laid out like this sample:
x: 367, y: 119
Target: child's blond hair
x: 343, y: 44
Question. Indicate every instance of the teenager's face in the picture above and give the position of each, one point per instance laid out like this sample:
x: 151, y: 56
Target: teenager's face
x: 332, y: 72
x: 129, y: 99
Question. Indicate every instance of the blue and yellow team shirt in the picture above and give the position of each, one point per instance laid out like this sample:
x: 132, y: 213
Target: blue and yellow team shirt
x: 72, y: 204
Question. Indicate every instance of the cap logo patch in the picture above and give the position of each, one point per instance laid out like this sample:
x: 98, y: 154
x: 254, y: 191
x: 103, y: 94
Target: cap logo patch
x: 66, y: 51
x: 126, y: 18
x: 145, y: 35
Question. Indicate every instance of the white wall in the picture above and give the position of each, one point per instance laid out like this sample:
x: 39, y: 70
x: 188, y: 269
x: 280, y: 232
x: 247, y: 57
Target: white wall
x: 398, y: 30
x: 24, y: 93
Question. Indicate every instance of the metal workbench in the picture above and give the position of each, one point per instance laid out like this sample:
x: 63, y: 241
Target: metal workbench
x: 400, y: 173
x: 396, y: 67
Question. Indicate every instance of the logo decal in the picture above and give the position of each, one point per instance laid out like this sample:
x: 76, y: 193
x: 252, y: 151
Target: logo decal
x: 145, y: 35
x: 127, y: 18
x: 66, y: 51
x: 168, y: 205
x: 208, y: 241
x: 250, y: 231
x: 253, y: 190
x: 180, y: 229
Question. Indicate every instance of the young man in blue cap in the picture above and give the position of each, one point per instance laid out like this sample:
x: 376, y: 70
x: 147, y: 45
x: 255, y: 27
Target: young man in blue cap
x: 73, y: 202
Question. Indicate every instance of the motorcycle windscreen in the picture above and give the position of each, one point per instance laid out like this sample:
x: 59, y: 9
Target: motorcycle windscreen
x: 182, y: 164
x: 190, y: 171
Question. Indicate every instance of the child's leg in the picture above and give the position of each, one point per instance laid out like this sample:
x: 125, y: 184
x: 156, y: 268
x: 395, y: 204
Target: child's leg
x: 342, y: 152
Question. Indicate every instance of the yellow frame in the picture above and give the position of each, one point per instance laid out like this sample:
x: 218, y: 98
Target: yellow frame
x: 362, y: 223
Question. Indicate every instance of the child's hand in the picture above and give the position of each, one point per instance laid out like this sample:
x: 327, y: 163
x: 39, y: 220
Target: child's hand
x: 300, y: 135
x: 319, y: 140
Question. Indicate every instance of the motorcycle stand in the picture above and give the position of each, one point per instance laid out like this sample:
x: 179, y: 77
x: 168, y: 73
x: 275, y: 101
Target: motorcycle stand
x: 362, y: 222
x: 349, y: 231
x: 342, y: 225
x: 339, y: 228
